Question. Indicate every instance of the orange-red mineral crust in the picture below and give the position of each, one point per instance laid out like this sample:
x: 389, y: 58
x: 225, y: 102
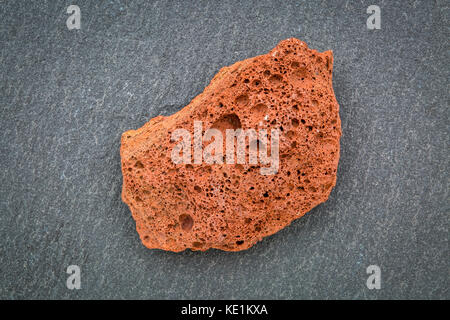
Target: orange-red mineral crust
x: 233, y: 206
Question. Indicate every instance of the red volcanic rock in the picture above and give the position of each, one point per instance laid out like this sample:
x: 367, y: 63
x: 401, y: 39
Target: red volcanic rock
x: 232, y: 206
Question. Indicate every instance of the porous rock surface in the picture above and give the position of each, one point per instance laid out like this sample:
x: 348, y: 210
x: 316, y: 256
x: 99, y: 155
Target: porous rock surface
x: 233, y: 206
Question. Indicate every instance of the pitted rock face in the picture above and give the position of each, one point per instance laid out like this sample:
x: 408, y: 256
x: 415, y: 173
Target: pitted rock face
x: 233, y: 206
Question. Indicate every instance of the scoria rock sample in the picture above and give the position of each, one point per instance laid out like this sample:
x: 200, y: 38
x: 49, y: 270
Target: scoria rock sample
x: 201, y: 205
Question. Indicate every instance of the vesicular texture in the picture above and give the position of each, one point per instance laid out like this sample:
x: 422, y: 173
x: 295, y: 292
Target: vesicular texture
x: 233, y: 206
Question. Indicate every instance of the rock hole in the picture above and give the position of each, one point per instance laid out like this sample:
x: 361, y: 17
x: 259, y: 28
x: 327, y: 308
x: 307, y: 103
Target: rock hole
x: 290, y: 134
x: 186, y: 222
x: 259, y: 108
x: 228, y: 121
x: 301, y: 73
x: 139, y: 164
x: 242, y: 100
x: 197, y: 244
x: 276, y: 79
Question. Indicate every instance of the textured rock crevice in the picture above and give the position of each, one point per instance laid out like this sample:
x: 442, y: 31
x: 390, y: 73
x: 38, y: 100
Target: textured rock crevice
x: 232, y: 206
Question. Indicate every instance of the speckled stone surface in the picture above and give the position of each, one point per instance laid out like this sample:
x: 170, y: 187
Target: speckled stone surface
x: 66, y: 97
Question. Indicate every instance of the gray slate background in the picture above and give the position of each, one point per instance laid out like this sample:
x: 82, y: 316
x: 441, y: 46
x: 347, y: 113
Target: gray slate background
x: 66, y: 97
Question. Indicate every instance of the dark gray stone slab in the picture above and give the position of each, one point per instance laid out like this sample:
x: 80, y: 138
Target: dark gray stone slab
x: 66, y: 97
